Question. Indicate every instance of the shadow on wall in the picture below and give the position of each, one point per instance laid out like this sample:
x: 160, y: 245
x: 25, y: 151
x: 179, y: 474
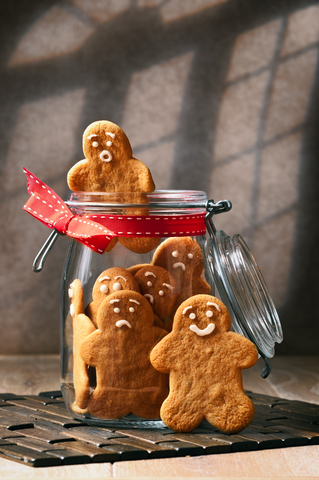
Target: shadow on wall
x: 219, y: 96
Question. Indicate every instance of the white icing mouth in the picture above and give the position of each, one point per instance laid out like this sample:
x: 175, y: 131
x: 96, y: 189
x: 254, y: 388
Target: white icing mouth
x: 179, y: 264
x: 209, y: 329
x: 150, y: 297
x: 106, y: 156
x: 121, y: 323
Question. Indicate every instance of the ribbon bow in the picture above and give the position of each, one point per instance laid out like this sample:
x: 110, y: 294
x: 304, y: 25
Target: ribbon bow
x: 45, y: 205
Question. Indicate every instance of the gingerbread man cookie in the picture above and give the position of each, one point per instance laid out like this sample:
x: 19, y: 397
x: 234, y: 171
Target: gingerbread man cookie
x: 120, y: 352
x: 109, y: 166
x: 204, y: 361
x: 112, y: 280
x: 183, y: 258
x: 82, y: 327
x: 159, y: 287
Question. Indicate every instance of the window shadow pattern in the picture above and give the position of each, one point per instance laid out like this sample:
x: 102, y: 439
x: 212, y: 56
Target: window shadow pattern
x: 95, y: 80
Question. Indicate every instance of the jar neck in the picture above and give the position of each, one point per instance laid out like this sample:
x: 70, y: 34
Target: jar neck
x: 160, y: 202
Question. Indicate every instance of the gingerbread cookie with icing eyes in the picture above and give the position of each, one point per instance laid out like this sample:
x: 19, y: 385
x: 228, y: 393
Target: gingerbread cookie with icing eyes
x: 109, y: 166
x: 183, y: 258
x: 82, y: 327
x: 111, y: 280
x: 159, y: 287
x: 204, y: 361
x: 120, y: 352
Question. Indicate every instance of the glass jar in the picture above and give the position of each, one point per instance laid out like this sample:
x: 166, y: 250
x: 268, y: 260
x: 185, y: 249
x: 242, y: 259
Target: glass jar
x: 118, y: 385
x: 117, y: 305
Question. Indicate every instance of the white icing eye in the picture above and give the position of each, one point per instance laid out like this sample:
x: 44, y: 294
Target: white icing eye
x: 149, y: 284
x: 175, y: 253
x: 161, y: 293
x: 192, y: 316
x: 117, y: 286
x: 95, y: 144
x: 72, y: 309
x: 109, y: 143
x: 190, y: 255
x: 209, y: 313
x: 116, y: 310
x: 70, y: 293
x: 104, y: 288
x: 131, y: 309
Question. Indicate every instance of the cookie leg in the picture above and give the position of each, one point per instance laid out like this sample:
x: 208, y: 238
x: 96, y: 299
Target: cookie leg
x: 140, y: 245
x: 82, y: 327
x: 108, y: 403
x: 234, y: 415
x: 147, y: 402
x: 180, y: 415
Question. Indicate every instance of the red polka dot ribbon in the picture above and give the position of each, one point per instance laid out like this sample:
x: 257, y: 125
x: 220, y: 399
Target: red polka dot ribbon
x: 96, y: 231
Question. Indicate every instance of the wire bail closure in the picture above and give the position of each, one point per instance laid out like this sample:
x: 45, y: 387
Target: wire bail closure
x: 39, y: 260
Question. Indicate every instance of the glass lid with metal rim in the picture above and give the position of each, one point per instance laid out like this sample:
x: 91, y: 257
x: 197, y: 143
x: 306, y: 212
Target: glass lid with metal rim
x: 242, y: 288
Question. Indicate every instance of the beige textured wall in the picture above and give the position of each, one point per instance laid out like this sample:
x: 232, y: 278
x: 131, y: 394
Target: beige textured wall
x: 215, y: 95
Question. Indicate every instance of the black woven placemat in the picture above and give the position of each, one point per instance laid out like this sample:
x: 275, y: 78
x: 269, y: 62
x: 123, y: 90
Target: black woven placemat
x: 38, y: 431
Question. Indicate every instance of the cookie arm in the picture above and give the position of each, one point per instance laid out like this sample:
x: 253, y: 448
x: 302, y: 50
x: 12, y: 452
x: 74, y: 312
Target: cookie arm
x: 77, y: 175
x: 90, y: 347
x: 243, y: 350
x: 145, y: 180
x: 163, y: 355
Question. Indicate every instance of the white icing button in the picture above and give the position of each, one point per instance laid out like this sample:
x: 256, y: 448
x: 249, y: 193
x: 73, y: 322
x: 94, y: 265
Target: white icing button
x: 132, y: 310
x: 104, y: 288
x: 149, y: 284
x: 175, y: 253
x: 117, y: 286
x: 116, y: 310
x: 161, y: 293
x: 209, y: 313
x: 192, y: 316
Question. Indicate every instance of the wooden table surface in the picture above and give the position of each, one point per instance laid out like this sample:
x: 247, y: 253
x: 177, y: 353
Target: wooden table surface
x: 294, y: 378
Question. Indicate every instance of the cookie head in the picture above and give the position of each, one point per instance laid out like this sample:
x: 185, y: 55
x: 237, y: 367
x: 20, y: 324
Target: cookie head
x: 202, y: 316
x: 113, y: 280
x: 159, y: 287
x: 104, y: 142
x: 179, y: 255
x: 125, y: 312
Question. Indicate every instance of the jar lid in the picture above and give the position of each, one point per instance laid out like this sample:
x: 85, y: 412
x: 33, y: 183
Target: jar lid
x: 242, y: 288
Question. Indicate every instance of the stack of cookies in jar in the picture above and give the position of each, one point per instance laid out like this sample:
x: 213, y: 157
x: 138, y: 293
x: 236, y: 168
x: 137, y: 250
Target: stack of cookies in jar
x: 159, y: 344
